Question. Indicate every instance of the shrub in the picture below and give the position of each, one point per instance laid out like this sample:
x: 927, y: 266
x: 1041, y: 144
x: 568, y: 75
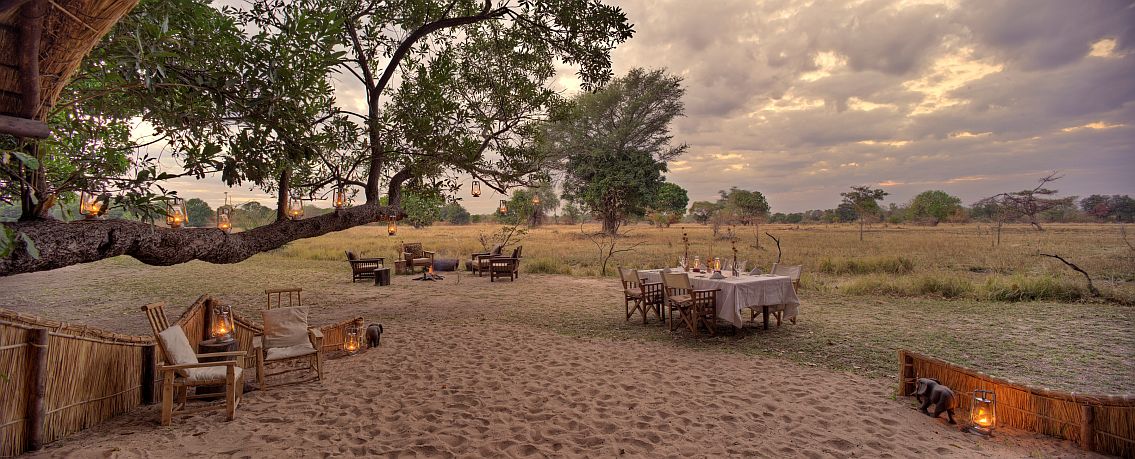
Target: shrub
x: 944, y: 285
x: 545, y: 266
x: 870, y: 265
x: 875, y: 285
x: 1024, y: 288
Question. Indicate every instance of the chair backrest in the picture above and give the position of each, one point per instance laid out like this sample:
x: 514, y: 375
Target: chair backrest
x: 285, y: 327
x: 414, y: 249
x: 155, y: 313
x: 516, y: 253
x: 793, y: 272
x: 293, y: 297
x: 629, y: 276
x: 497, y: 249
x: 676, y: 281
x: 351, y: 255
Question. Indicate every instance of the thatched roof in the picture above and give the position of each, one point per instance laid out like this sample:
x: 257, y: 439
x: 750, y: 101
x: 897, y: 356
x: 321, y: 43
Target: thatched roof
x: 70, y: 29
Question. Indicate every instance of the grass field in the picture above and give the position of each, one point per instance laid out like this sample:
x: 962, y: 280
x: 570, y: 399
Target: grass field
x: 1052, y: 340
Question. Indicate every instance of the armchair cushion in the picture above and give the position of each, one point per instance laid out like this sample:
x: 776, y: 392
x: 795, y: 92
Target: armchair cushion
x: 279, y: 353
x: 414, y: 250
x: 177, y: 348
x: 285, y: 327
x: 211, y: 374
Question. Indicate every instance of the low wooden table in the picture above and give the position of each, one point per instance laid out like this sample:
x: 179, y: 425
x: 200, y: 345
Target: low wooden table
x: 382, y: 276
x: 209, y: 346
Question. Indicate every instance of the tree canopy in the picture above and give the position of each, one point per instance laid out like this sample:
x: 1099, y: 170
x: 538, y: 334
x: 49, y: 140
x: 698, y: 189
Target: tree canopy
x: 934, y: 206
x: 449, y: 88
x: 615, y: 144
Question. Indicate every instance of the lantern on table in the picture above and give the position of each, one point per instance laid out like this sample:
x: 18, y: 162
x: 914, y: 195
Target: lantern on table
x: 295, y: 208
x: 352, y: 340
x: 503, y: 207
x: 983, y: 412
x: 222, y: 325
x: 697, y: 263
x: 339, y: 198
x: 475, y: 189
x: 93, y: 205
x: 717, y: 264
x: 175, y: 212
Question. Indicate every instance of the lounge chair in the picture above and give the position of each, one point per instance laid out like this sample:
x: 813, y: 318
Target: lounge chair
x: 182, y: 369
x: 415, y: 256
x: 506, y: 266
x: 287, y: 338
x: 479, y: 262
x: 363, y: 268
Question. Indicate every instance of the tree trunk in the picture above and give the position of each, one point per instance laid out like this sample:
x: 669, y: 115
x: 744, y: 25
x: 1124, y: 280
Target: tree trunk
x: 282, y: 199
x: 860, y: 230
x: 63, y: 244
x: 610, y: 224
x: 394, y: 190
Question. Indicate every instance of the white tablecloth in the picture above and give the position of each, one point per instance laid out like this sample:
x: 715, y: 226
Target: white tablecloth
x: 742, y: 292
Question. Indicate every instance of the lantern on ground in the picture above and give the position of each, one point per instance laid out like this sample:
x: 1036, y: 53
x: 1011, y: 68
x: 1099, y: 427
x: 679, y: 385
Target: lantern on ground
x: 93, y: 205
x: 222, y: 326
x: 983, y: 412
x: 339, y: 198
x: 352, y: 340
x: 503, y: 207
x: 476, y: 189
x: 391, y: 228
x: 175, y: 213
x: 295, y: 208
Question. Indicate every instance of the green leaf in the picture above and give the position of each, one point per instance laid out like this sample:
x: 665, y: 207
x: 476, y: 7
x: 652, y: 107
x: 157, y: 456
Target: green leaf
x: 7, y: 241
x: 30, y: 246
x: 27, y: 159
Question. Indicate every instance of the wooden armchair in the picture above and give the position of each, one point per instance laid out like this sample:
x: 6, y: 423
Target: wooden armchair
x: 643, y: 295
x: 363, y: 268
x: 506, y: 266
x: 287, y: 338
x: 479, y: 262
x: 694, y: 307
x: 415, y: 256
x: 182, y: 369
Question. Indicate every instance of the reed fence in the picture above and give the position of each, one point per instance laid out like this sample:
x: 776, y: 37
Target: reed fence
x: 1101, y: 423
x: 57, y: 378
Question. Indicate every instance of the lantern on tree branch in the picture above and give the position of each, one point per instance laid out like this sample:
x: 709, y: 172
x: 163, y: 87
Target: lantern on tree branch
x: 175, y: 212
x: 503, y: 207
x: 536, y: 200
x: 339, y: 198
x: 224, y: 223
x: 295, y: 208
x: 476, y: 189
x: 391, y: 228
x: 93, y: 205
x: 222, y: 328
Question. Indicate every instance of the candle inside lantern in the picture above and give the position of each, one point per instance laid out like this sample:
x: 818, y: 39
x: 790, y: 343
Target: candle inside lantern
x: 983, y: 412
x: 391, y: 228
x: 352, y: 340
x: 222, y: 329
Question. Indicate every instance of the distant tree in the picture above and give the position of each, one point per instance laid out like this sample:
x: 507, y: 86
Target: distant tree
x: 702, y: 211
x: 669, y: 204
x: 844, y: 213
x: 795, y: 217
x: 1120, y: 208
x: 454, y: 214
x: 251, y: 215
x: 1029, y: 204
x: 1096, y: 205
x: 198, y: 213
x: 865, y: 201
x: 616, y: 143
x: 934, y: 206
x: 748, y: 207
x: 1123, y: 208
x: 422, y: 207
x: 572, y: 214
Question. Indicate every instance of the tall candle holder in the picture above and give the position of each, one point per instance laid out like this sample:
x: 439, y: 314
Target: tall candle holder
x: 686, y: 242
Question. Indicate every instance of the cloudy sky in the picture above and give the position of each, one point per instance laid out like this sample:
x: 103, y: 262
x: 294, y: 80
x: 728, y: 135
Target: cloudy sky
x: 801, y: 100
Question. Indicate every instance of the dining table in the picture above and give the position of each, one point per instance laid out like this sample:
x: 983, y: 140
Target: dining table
x: 765, y: 292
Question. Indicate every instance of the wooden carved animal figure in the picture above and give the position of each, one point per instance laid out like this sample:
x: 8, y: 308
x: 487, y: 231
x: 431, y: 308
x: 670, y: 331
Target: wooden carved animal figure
x: 931, y: 392
x: 374, y: 335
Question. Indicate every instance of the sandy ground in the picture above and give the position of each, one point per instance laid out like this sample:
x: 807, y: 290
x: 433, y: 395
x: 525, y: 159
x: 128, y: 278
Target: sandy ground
x: 471, y: 368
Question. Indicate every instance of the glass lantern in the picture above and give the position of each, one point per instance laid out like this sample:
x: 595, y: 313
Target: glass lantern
x: 295, y: 208
x: 224, y: 223
x: 536, y: 200
x: 983, y: 412
x: 697, y: 263
x: 476, y: 189
x: 391, y: 228
x: 222, y: 326
x: 503, y: 207
x: 175, y: 213
x: 352, y: 340
x: 717, y: 264
x: 93, y: 205
x: 339, y: 198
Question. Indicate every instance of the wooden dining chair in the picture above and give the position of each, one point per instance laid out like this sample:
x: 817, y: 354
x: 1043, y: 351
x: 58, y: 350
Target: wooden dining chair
x: 694, y: 307
x: 644, y: 296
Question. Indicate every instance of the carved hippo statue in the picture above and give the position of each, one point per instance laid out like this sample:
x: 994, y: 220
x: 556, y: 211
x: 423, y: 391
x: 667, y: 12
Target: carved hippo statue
x: 931, y: 392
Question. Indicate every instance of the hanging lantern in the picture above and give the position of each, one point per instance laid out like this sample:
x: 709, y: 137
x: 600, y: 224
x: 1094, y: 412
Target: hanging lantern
x: 93, y: 205
x: 352, y: 340
x: 503, y: 208
x: 339, y: 198
x: 983, y: 412
x: 223, y: 222
x: 536, y: 200
x: 222, y: 327
x: 175, y: 213
x: 476, y: 189
x: 295, y: 208
x: 391, y: 228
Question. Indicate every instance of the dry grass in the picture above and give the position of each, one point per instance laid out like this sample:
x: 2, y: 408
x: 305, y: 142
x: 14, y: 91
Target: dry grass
x: 1080, y: 346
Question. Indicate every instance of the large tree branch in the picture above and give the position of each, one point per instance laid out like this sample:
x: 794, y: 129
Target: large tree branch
x: 65, y: 244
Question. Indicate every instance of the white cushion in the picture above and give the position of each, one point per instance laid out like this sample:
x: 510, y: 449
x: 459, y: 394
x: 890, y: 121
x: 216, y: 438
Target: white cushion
x: 211, y: 374
x: 177, y: 347
x: 278, y: 353
x: 285, y: 327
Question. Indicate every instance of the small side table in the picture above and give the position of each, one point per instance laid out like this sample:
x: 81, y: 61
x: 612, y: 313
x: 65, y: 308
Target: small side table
x: 400, y: 266
x: 209, y: 346
x: 382, y: 276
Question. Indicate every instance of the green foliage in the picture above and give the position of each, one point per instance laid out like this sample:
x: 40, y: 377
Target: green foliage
x: 198, y: 213
x: 616, y: 143
x: 701, y: 211
x: 572, y: 214
x: 934, y: 206
x: 251, y: 215
x: 747, y: 207
x: 864, y: 200
x: 454, y: 214
x: 866, y: 265
x: 422, y: 207
x: 1032, y: 288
